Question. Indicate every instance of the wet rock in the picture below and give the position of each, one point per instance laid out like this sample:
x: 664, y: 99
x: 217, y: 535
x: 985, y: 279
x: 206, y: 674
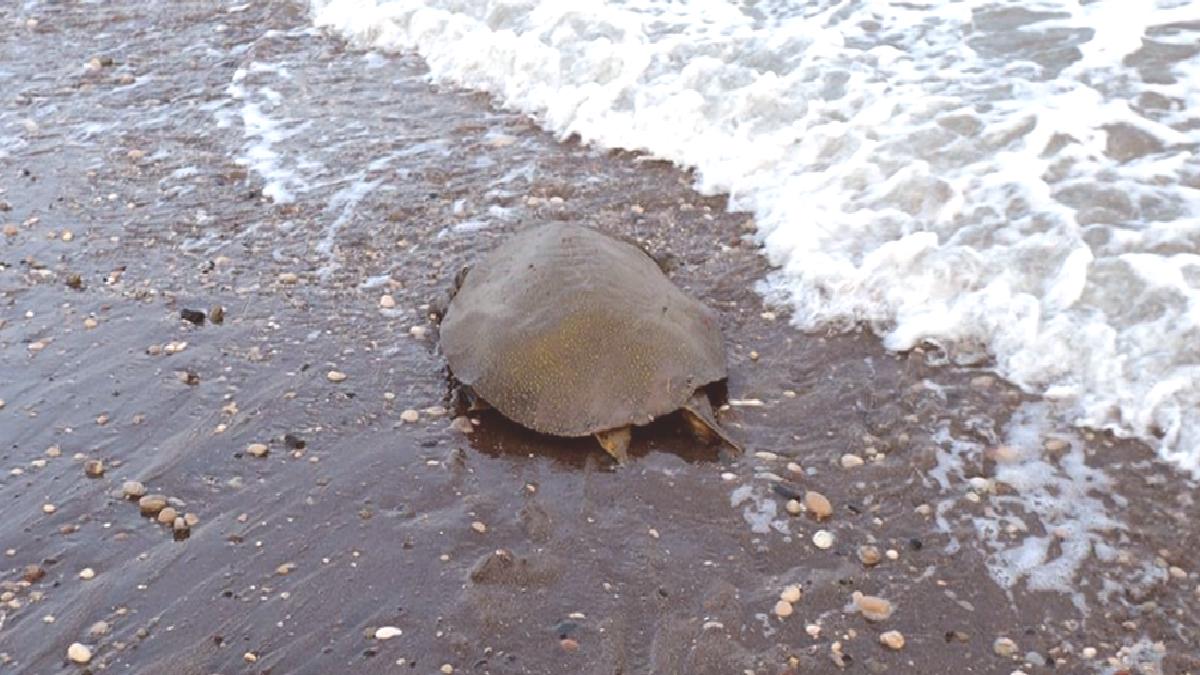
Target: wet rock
x: 387, y: 632
x: 150, y: 505
x: 167, y: 516
x: 257, y: 450
x: 818, y: 505
x: 33, y: 573
x: 822, y: 539
x: 79, y: 653
x: 293, y: 442
x: 74, y: 282
x: 192, y: 316
x: 216, y: 314
x: 93, y: 468
x: 132, y: 489
x: 869, y: 555
x: 872, y: 608
x: 892, y: 639
x: 569, y: 645
x: 180, y: 529
x: 1004, y: 647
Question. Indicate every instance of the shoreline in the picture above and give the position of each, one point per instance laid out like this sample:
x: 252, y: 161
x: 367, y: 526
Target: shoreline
x: 300, y: 556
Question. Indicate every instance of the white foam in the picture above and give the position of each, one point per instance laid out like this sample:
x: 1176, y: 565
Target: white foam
x: 265, y: 132
x: 1021, y: 181
x: 1053, y: 520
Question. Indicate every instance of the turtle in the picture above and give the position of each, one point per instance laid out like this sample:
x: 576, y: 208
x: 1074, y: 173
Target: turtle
x: 572, y: 332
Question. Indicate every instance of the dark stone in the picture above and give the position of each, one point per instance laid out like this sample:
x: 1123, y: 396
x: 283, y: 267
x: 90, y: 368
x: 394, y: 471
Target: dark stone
x: 192, y: 315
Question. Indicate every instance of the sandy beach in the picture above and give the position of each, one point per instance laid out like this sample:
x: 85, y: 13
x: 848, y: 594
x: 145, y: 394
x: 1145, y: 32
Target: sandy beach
x: 150, y: 166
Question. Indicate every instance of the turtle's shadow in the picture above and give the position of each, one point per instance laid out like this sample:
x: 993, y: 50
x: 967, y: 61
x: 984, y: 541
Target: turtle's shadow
x: 498, y: 436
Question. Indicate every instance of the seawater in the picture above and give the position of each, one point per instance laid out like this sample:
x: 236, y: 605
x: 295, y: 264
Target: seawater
x: 1018, y: 183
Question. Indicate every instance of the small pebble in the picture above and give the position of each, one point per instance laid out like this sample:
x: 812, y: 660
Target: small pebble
x: 1004, y: 647
x: 871, y: 607
x: 152, y: 504
x: 79, y: 653
x: 813, y: 630
x: 335, y: 376
x: 289, y: 278
x: 87, y: 574
x: 869, y: 555
x: 817, y: 504
x: 851, y: 461
x: 1055, y: 445
x: 257, y: 450
x: 94, y: 468
x: 462, y: 424
x: 479, y: 527
x: 216, y: 314
x: 418, y: 332
x: 167, y: 516
x: 180, y: 528
x: 892, y: 639
x: 49, y: 508
x: 98, y: 629
x: 1088, y: 652
x: 387, y: 302
x: 822, y: 539
x: 447, y: 669
x: 33, y: 573
x: 569, y: 645
x: 132, y: 489
x: 387, y: 632
x: 794, y: 507
x: 783, y: 609
x: 90, y: 323
x: 791, y: 594
x: 191, y: 519
x: 410, y: 416
x: 250, y: 657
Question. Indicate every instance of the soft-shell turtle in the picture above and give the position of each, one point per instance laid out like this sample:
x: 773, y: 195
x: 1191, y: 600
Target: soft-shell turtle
x: 571, y: 332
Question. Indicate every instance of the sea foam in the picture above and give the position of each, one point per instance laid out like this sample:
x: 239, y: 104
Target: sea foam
x: 1019, y: 185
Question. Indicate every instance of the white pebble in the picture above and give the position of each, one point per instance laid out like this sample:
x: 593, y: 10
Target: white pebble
x: 410, y: 416
x: 822, y: 539
x: 87, y: 573
x: 79, y: 653
x: 387, y: 632
x: 851, y: 461
x: 783, y: 609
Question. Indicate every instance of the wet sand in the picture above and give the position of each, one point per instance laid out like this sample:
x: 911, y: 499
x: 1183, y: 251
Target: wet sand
x: 500, y: 551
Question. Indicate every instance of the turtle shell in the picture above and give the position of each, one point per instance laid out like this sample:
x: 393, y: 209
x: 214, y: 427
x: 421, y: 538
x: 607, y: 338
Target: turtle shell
x: 568, y: 331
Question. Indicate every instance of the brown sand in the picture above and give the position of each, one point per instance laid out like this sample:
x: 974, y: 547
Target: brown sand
x: 298, y: 557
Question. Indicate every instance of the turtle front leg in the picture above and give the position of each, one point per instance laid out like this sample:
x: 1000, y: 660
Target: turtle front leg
x: 616, y: 442
x: 703, y: 423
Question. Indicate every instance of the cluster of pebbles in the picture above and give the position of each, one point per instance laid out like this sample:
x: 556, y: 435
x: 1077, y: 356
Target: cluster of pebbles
x: 161, y: 508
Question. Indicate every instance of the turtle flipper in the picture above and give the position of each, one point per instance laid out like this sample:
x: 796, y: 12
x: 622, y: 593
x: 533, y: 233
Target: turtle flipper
x: 700, y: 418
x: 616, y: 442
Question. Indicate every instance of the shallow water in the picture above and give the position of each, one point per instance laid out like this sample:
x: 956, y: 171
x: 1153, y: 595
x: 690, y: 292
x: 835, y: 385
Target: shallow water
x: 1019, y: 185
x: 669, y: 565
